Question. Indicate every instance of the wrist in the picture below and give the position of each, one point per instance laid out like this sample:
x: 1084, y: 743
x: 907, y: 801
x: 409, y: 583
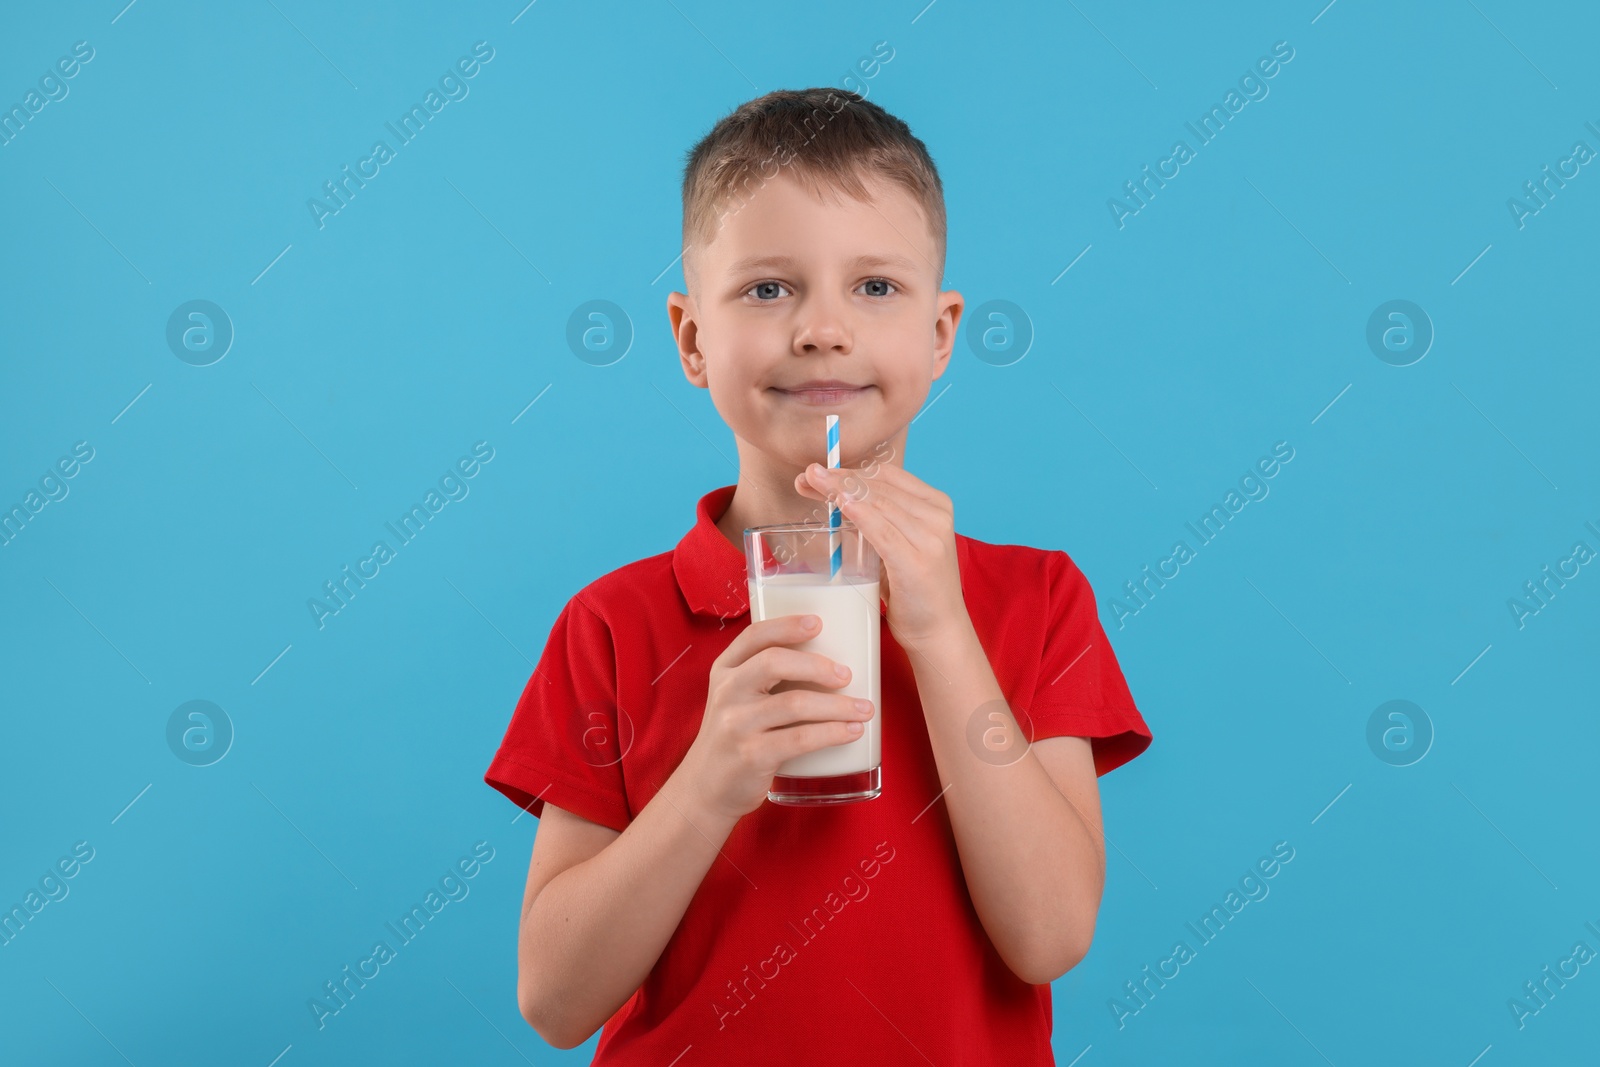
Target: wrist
x: 951, y: 664
x: 682, y: 793
x: 952, y: 638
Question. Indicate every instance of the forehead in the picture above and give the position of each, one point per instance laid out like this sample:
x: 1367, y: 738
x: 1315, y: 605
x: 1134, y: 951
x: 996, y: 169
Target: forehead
x: 785, y: 223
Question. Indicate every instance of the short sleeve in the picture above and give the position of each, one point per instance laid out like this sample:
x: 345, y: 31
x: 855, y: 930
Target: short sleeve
x: 1081, y: 691
x: 562, y: 744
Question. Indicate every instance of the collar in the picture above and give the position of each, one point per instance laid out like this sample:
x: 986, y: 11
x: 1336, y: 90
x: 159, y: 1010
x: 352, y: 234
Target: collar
x: 710, y: 570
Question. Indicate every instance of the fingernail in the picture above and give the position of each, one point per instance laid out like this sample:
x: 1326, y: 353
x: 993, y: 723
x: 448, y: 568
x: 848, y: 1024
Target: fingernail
x: 811, y: 622
x: 841, y: 670
x: 854, y: 727
x: 864, y: 707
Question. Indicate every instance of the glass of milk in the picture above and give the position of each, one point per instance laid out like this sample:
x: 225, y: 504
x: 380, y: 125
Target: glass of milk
x: 788, y: 575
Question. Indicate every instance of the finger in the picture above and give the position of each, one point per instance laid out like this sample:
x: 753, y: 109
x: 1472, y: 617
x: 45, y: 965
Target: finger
x: 781, y: 711
x: 784, y: 745
x: 910, y: 496
x: 803, y: 486
x: 881, y: 533
x: 818, y: 487
x: 909, y: 509
x: 779, y: 630
x: 819, y: 482
x: 922, y: 524
x: 903, y: 479
x: 776, y: 664
x: 921, y: 508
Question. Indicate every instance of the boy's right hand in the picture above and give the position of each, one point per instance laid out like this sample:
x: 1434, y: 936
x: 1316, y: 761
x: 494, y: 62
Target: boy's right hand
x: 748, y: 730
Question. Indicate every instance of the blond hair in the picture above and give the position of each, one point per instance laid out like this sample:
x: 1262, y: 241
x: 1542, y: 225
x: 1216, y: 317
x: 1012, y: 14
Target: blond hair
x: 825, y: 138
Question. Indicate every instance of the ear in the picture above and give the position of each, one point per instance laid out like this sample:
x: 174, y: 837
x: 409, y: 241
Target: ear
x: 686, y: 332
x: 946, y: 328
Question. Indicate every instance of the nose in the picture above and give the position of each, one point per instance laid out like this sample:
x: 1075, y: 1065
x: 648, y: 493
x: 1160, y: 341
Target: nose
x: 823, y: 325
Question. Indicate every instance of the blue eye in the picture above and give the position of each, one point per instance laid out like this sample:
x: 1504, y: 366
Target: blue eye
x: 764, y: 294
x: 764, y: 285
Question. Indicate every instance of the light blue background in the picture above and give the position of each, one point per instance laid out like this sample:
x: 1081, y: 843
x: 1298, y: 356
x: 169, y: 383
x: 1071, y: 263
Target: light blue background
x: 1227, y: 315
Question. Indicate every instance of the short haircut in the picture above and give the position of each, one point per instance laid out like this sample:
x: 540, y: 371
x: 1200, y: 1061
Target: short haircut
x: 824, y: 138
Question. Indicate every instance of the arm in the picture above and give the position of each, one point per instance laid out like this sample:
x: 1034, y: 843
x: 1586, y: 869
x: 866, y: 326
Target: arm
x: 1028, y: 833
x: 600, y: 906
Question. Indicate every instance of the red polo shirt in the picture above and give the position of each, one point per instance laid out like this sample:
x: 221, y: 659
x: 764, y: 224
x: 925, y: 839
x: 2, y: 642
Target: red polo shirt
x: 820, y: 935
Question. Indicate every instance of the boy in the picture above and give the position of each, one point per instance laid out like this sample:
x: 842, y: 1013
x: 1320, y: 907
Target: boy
x: 666, y: 898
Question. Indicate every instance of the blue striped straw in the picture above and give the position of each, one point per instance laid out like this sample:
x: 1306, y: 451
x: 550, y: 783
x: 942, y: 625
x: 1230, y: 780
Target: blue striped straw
x: 835, y: 547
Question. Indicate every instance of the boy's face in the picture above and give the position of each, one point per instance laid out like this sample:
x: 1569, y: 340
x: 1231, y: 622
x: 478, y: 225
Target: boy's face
x: 848, y: 292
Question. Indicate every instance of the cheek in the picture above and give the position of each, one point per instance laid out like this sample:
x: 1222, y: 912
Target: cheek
x: 906, y: 350
x: 739, y: 365
x: 745, y: 347
x: 905, y: 382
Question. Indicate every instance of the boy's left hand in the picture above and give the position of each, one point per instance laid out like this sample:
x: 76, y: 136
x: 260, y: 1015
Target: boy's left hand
x: 911, y: 525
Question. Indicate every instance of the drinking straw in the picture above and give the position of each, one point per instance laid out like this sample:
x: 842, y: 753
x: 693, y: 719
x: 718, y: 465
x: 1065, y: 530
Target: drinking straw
x: 835, y: 548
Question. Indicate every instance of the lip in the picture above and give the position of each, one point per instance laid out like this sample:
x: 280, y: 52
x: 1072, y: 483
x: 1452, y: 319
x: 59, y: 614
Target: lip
x: 826, y: 392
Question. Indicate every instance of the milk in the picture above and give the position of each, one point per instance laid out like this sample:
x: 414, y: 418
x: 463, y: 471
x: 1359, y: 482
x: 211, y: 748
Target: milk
x: 850, y: 618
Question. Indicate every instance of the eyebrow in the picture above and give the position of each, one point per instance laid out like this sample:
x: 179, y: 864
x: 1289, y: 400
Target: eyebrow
x: 865, y: 260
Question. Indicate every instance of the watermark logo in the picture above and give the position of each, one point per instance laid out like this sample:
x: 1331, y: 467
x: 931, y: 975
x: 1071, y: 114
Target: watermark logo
x: 751, y: 981
x: 602, y: 733
x: 453, y: 86
x: 1138, y: 193
x: 452, y: 887
x: 199, y: 333
x: 53, y: 87
x: 599, y: 332
x: 52, y: 888
x: 1399, y: 733
x: 1253, y: 486
x: 1539, y: 593
x: 1399, y: 333
x: 1000, y: 333
x: 199, y: 733
x: 1537, y: 995
x: 1537, y: 194
x: 53, y: 487
x: 998, y: 734
x: 1138, y: 993
x: 454, y: 485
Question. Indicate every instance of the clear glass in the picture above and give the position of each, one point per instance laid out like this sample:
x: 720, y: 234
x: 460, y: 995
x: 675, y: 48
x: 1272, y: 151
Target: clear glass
x: 788, y: 575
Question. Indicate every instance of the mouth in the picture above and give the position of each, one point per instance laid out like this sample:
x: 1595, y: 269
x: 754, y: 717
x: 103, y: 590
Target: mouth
x: 824, y: 395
